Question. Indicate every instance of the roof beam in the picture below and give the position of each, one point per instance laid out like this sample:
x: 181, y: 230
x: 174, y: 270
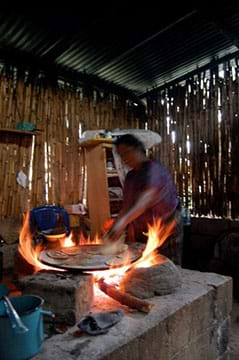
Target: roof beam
x: 211, y: 65
x: 15, y: 57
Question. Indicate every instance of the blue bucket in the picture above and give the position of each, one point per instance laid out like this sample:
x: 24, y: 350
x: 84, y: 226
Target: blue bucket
x: 15, y: 346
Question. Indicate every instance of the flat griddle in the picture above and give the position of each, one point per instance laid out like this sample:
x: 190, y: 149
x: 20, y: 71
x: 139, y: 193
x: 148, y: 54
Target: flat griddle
x: 88, y: 257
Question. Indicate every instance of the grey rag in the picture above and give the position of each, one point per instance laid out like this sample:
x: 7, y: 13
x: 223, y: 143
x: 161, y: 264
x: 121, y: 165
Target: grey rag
x: 99, y: 323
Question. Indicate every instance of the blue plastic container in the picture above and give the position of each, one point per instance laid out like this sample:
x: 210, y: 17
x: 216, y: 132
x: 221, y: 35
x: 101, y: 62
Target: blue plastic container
x: 47, y: 217
x: 15, y: 346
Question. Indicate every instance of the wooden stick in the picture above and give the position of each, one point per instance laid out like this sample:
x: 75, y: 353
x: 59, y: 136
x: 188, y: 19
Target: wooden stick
x: 124, y: 298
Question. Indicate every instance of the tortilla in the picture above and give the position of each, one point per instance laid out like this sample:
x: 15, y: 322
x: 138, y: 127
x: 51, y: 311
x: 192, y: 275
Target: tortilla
x: 114, y: 248
x: 73, y: 250
x: 117, y: 261
x: 57, y: 254
x: 84, y: 261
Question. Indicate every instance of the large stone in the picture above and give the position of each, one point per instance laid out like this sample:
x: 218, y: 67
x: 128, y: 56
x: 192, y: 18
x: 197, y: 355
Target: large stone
x: 160, y: 279
x: 69, y: 296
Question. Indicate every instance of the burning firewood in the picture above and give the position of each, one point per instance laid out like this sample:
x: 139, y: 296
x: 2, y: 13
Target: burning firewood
x: 124, y: 298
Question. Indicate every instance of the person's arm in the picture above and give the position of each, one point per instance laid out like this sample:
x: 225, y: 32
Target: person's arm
x: 145, y: 201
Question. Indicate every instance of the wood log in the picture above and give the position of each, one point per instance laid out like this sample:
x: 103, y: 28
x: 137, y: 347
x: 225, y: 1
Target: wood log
x: 124, y: 298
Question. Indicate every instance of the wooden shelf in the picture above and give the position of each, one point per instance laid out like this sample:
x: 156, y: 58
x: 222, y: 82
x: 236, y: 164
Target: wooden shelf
x: 20, y: 132
x: 94, y: 142
x: 99, y: 181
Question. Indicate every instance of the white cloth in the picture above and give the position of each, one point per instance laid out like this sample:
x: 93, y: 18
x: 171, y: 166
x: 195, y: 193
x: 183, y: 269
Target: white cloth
x: 22, y: 179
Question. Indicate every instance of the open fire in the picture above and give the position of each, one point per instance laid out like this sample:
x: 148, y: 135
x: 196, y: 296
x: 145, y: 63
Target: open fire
x: 157, y: 234
x: 30, y: 252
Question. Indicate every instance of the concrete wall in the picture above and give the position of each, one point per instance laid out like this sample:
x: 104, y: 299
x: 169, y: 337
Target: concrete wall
x: 193, y: 323
x: 200, y: 239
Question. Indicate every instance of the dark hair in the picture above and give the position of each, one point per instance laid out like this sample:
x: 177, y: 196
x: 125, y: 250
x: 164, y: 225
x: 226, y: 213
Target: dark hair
x: 130, y: 140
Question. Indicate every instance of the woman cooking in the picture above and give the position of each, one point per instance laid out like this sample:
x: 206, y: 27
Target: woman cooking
x: 149, y: 194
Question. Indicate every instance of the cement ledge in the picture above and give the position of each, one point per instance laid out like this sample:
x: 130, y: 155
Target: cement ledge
x: 186, y: 322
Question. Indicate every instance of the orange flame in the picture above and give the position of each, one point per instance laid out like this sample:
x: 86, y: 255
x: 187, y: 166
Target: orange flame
x: 30, y: 252
x: 67, y: 241
x: 26, y: 248
x: 157, y: 234
x: 88, y: 241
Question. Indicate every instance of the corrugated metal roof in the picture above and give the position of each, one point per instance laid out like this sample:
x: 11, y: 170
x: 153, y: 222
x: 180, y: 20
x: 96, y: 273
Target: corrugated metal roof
x: 135, y: 47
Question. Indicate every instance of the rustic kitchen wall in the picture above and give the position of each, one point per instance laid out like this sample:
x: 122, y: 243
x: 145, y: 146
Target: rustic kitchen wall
x: 198, y: 120
x: 47, y: 162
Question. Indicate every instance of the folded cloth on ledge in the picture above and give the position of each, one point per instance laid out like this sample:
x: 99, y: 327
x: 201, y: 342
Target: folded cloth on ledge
x: 99, y: 323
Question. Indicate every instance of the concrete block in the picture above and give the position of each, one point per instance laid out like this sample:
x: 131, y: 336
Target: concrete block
x: 10, y: 229
x: 69, y: 296
x: 182, y: 325
x: 213, y: 227
x: 9, y: 254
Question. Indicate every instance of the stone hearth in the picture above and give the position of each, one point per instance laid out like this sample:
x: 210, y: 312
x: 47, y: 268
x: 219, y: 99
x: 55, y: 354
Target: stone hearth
x: 192, y: 323
x: 68, y: 295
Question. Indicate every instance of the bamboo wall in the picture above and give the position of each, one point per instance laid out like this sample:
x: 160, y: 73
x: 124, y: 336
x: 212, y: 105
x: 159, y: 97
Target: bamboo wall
x: 198, y: 120
x: 51, y: 159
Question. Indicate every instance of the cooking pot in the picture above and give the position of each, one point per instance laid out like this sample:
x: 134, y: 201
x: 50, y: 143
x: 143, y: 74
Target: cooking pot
x: 15, y: 346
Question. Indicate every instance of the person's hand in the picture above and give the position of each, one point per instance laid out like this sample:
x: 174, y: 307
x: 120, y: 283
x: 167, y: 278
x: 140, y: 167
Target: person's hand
x: 116, y: 230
